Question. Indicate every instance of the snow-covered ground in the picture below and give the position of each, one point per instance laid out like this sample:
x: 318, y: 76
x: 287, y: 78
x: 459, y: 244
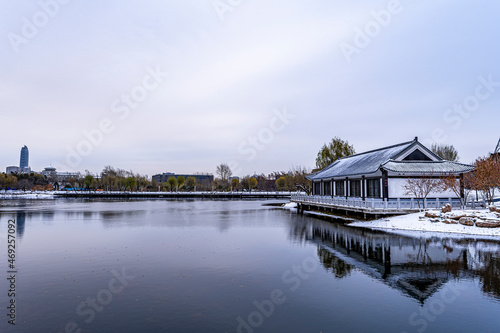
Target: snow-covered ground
x: 290, y: 206
x: 418, y: 222
x: 26, y: 195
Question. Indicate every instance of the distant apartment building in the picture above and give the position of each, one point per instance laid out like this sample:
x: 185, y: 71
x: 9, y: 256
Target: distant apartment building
x: 58, y: 177
x: 49, y: 171
x: 200, y: 177
x: 13, y: 169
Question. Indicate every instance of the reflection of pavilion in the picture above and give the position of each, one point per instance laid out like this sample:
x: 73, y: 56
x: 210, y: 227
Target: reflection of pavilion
x: 416, y: 267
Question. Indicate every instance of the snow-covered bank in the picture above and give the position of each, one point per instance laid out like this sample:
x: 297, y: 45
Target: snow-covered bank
x: 290, y: 206
x: 26, y: 195
x: 439, y: 222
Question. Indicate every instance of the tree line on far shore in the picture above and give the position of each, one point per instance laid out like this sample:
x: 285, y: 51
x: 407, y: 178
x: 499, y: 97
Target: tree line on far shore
x: 116, y: 179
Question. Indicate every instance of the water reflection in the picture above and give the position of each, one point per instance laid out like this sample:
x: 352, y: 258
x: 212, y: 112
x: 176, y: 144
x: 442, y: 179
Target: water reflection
x: 48, y: 215
x: 418, y: 267
x: 110, y: 215
x: 20, y: 221
x: 490, y: 274
x: 333, y: 264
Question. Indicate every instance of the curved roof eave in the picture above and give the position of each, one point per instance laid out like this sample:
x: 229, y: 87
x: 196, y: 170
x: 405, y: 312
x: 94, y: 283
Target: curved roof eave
x: 463, y: 167
x: 344, y: 175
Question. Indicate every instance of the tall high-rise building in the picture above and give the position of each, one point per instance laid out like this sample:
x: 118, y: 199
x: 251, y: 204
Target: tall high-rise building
x: 25, y: 158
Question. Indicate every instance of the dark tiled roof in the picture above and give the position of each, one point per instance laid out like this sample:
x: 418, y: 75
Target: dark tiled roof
x: 364, y: 163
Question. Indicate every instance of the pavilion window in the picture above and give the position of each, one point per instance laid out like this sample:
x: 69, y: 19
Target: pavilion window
x: 373, y: 188
x: 328, y: 188
x: 355, y: 188
x: 339, y: 188
x: 317, y: 188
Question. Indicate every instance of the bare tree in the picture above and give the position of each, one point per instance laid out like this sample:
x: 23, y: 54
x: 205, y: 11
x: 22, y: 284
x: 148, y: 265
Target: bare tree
x: 299, y: 180
x: 24, y: 184
x: 421, y: 187
x: 450, y: 182
x: 468, y: 185
x: 224, y: 172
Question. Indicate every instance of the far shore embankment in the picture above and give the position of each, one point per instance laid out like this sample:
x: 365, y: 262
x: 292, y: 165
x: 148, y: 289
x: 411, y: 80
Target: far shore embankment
x: 127, y: 194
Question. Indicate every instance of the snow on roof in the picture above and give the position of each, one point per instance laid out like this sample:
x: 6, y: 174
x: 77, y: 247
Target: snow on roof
x: 439, y: 167
x: 364, y: 163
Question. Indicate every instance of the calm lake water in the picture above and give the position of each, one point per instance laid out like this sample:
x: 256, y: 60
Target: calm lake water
x: 235, y: 266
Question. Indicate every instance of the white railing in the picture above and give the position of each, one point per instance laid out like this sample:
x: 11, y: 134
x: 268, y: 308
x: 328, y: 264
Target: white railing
x: 385, y: 204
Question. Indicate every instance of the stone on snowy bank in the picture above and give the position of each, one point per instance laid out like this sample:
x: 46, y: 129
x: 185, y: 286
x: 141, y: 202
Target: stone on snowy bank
x: 431, y: 215
x: 494, y: 208
x: 450, y: 222
x: 458, y: 217
x: 488, y: 224
x: 446, y: 208
x: 467, y: 221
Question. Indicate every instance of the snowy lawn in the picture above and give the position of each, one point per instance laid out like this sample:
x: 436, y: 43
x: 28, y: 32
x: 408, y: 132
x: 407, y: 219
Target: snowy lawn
x: 450, y: 222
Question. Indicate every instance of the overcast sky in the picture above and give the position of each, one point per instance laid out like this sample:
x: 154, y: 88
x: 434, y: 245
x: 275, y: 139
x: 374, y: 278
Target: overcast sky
x: 184, y: 85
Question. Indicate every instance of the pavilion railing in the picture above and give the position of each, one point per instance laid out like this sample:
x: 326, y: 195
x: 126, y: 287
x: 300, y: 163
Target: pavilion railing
x: 399, y: 204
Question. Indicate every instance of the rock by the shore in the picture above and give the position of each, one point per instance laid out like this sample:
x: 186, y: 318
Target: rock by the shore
x: 480, y: 219
x: 446, y: 208
x: 431, y: 215
x: 494, y: 208
x: 457, y: 217
x: 488, y: 224
x: 467, y: 221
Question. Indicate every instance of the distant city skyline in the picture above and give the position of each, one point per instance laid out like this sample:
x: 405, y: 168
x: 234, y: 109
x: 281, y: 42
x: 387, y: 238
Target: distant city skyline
x: 180, y: 86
